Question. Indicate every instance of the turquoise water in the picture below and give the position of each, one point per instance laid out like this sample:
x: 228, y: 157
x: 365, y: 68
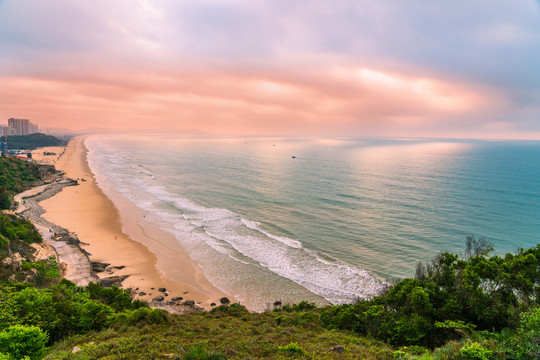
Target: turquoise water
x: 336, y: 221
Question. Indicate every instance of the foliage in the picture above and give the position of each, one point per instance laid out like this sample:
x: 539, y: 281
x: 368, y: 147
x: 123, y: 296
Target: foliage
x: 199, y: 353
x: 33, y: 141
x: 19, y: 341
x: 14, y: 174
x: 61, y: 310
x: 293, y: 348
x: 252, y: 335
x: 472, y: 291
x: 18, y: 229
x: 475, y: 351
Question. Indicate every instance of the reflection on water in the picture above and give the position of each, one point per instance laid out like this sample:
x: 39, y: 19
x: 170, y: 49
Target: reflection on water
x: 338, y: 207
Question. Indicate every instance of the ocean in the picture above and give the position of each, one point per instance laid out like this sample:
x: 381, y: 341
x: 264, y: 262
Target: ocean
x: 322, y: 219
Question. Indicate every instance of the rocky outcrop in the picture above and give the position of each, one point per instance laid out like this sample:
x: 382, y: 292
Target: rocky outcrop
x: 99, y: 266
x: 74, y: 260
x: 113, y: 281
x: 13, y: 262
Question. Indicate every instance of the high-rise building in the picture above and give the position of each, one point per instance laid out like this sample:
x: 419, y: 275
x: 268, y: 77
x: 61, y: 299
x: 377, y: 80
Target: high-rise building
x: 7, y: 130
x: 22, y: 126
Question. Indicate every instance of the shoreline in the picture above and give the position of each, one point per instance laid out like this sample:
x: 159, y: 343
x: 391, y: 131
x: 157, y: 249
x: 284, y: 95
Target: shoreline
x: 122, y: 241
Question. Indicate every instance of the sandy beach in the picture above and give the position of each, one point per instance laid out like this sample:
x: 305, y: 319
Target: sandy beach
x: 122, y: 238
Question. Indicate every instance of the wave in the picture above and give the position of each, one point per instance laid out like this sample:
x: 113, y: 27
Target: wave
x: 225, y: 231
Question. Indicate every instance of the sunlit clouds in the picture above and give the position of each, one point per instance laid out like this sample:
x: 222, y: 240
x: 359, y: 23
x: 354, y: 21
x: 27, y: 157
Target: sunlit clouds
x: 239, y: 67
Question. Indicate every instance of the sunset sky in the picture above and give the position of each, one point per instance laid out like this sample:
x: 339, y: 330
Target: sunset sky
x: 342, y: 67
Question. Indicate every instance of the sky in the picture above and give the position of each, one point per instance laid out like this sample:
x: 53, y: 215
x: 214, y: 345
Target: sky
x: 453, y: 69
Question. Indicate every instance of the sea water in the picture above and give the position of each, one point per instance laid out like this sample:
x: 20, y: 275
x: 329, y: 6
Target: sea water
x: 323, y: 220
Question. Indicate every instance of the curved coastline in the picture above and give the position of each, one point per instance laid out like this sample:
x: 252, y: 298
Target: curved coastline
x: 119, y: 237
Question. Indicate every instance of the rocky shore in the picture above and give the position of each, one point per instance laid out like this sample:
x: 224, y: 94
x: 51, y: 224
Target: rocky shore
x: 74, y: 261
x: 75, y: 265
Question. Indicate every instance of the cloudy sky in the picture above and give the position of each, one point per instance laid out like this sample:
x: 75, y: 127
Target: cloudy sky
x: 277, y: 67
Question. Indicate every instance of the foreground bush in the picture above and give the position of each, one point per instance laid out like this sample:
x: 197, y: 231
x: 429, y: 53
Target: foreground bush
x: 474, y: 290
x: 19, y: 341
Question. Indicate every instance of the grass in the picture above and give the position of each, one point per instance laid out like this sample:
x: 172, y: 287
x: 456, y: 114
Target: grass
x: 234, y: 335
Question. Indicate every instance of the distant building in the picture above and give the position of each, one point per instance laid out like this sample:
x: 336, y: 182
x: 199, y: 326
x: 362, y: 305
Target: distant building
x: 7, y: 130
x: 22, y: 126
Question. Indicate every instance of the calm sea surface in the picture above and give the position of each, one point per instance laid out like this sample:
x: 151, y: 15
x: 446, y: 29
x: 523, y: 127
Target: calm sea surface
x: 334, y: 222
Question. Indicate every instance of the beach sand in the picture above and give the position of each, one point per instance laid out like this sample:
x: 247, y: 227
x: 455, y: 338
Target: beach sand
x: 151, y: 257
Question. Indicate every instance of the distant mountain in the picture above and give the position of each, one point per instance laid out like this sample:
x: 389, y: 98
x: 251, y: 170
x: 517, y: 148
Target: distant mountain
x: 33, y: 141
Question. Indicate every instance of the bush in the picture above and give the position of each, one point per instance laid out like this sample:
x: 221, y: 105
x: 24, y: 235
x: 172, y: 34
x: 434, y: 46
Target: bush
x: 3, y: 243
x: 292, y: 348
x: 19, y: 341
x: 158, y: 317
x: 199, y: 353
x: 475, y: 351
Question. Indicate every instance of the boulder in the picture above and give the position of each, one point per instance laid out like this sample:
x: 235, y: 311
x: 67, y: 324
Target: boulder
x: 158, y: 298
x: 7, y: 262
x: 224, y: 301
x: 142, y: 293
x: 99, y: 266
x: 16, y: 262
x: 278, y: 303
x: 113, y: 281
x: 177, y: 298
x: 76, y: 349
x: 190, y: 303
x: 162, y: 290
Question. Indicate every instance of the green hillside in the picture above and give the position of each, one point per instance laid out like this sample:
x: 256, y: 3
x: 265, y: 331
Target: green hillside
x: 474, y: 306
x: 32, y: 141
x: 14, y: 175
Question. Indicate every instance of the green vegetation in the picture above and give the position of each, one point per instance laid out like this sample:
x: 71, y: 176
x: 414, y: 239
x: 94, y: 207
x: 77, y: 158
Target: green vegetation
x: 21, y: 341
x: 473, y: 306
x: 33, y: 141
x: 14, y: 175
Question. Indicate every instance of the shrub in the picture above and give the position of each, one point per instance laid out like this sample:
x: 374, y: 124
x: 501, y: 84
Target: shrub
x: 3, y: 243
x: 293, y: 348
x: 199, y: 353
x: 139, y: 315
x: 19, y: 341
x: 158, y: 316
x: 475, y: 351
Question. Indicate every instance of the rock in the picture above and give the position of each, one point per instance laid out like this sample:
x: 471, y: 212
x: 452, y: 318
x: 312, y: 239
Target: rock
x: 142, y: 293
x: 113, y: 281
x: 224, y: 300
x: 339, y: 349
x: 152, y: 289
x: 278, y: 303
x: 12, y: 278
x: 177, y: 298
x: 165, y: 294
x: 190, y: 303
x: 161, y: 289
x: 119, y: 267
x: 76, y: 349
x: 99, y: 266
x: 16, y: 262
x: 213, y: 304
x: 158, y: 298
x: 7, y: 262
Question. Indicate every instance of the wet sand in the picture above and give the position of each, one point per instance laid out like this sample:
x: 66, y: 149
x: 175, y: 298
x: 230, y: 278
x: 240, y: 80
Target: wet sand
x: 151, y: 257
